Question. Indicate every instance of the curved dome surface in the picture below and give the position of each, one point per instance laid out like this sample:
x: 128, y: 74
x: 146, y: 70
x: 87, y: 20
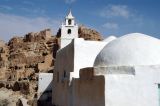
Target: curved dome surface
x: 109, y: 39
x: 129, y: 50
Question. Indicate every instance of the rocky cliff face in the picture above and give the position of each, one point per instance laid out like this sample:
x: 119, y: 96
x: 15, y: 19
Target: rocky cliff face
x: 89, y: 34
x: 22, y: 58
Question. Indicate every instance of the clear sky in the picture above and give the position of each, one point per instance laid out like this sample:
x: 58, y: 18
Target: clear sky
x: 109, y: 17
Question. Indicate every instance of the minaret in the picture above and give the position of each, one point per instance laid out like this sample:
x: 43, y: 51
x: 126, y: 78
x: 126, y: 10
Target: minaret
x: 69, y: 30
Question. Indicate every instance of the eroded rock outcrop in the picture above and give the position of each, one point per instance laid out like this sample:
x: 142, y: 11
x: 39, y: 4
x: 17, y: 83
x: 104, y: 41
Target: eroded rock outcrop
x: 89, y: 34
x: 22, y: 58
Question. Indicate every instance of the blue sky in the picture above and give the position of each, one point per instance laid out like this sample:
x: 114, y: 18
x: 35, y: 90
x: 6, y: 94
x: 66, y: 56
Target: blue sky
x: 109, y: 17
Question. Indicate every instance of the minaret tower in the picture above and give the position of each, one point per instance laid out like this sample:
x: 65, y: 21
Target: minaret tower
x: 69, y: 30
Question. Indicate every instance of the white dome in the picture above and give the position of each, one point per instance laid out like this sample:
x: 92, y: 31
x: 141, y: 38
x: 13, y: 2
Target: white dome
x: 109, y: 39
x: 129, y: 50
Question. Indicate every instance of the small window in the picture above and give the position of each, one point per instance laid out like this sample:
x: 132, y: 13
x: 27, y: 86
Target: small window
x: 69, y: 22
x: 69, y: 31
x: 65, y: 74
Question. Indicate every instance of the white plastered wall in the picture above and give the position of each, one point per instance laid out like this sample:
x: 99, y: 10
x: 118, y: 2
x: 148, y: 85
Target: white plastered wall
x: 76, y: 55
x: 67, y: 38
x: 132, y: 89
x: 85, y: 54
x: 64, y: 62
x: 44, y: 82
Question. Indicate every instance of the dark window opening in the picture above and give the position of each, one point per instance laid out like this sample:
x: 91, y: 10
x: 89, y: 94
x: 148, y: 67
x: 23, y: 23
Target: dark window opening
x: 69, y: 22
x: 69, y: 31
x: 65, y: 74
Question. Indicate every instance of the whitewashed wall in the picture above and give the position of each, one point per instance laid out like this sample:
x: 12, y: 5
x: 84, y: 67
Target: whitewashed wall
x: 141, y: 89
x: 78, y: 54
x: 45, y: 82
x: 85, y: 54
x: 67, y: 38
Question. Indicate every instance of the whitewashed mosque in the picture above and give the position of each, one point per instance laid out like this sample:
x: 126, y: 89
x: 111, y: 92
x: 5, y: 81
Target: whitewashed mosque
x: 122, y: 71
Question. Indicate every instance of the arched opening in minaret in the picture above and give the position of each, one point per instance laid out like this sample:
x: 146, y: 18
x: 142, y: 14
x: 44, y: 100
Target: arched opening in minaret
x: 69, y: 31
x: 69, y: 22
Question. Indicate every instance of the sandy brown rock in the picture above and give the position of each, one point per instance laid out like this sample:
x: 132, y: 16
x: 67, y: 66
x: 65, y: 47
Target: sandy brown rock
x: 48, y: 63
x: 2, y: 43
x: 22, y: 59
x: 39, y: 36
x: 89, y: 34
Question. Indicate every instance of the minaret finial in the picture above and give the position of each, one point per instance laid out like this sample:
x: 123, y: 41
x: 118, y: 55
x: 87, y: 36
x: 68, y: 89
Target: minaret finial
x: 70, y: 14
x: 70, y: 11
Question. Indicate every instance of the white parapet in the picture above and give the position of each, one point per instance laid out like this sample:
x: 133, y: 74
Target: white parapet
x: 45, y: 82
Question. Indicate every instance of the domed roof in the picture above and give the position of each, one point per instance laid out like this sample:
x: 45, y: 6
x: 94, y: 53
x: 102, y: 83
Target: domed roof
x: 129, y: 50
x: 109, y: 39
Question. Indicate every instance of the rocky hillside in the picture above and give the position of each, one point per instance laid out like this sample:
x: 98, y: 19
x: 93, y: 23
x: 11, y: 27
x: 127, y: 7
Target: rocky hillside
x: 89, y: 34
x: 22, y: 58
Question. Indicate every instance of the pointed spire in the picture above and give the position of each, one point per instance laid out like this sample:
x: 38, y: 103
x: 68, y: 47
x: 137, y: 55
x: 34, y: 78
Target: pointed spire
x: 70, y: 16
